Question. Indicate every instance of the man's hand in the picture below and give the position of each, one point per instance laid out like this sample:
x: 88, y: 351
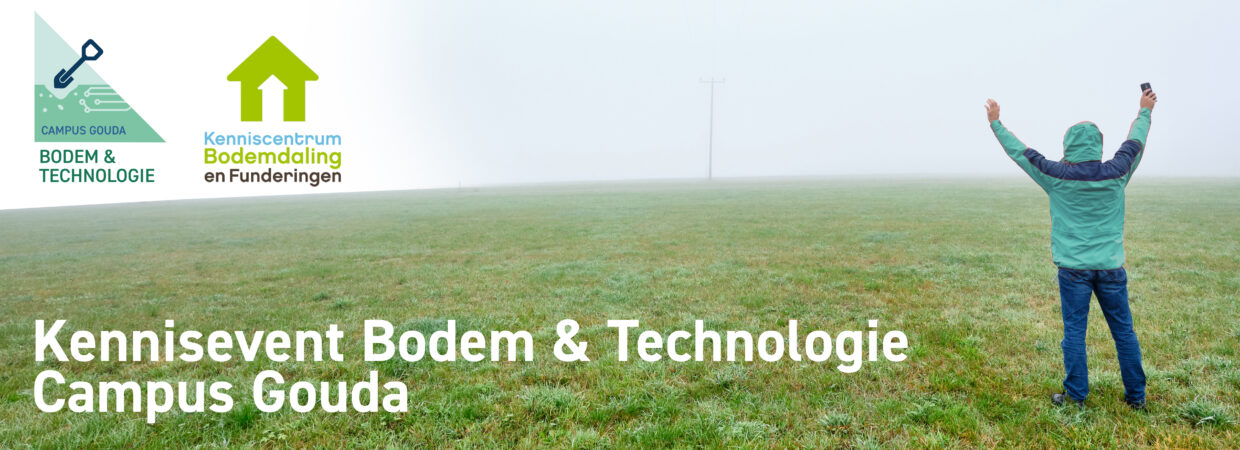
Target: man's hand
x: 992, y: 110
x: 1148, y: 99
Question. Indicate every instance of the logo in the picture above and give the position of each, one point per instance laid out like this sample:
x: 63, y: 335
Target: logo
x: 271, y: 153
x: 273, y: 66
x: 72, y: 103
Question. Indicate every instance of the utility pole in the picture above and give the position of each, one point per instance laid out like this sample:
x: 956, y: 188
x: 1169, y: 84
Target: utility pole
x: 710, y: 143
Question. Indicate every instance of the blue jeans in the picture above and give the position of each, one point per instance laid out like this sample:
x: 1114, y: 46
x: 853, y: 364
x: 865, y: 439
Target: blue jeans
x: 1111, y: 287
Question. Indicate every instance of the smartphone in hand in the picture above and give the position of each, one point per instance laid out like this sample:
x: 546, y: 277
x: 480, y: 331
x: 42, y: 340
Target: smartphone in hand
x: 1145, y: 87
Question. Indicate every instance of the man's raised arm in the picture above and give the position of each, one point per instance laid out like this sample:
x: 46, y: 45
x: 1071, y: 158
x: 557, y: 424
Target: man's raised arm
x: 1129, y: 154
x: 1015, y: 149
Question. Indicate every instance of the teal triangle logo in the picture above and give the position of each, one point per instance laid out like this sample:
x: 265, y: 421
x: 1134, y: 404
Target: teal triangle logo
x: 72, y: 103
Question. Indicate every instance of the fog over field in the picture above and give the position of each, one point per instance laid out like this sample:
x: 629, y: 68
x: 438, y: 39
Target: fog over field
x: 448, y: 94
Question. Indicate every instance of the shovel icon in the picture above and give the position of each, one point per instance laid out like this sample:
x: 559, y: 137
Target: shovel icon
x: 65, y: 76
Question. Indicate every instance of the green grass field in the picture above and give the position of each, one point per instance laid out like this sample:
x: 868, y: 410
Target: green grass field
x: 962, y: 267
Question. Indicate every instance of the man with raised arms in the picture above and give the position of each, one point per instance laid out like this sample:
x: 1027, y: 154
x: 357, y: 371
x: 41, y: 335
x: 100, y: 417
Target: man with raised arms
x: 1087, y: 240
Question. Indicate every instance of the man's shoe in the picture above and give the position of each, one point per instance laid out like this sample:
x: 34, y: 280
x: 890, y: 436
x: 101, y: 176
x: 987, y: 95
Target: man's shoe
x: 1061, y: 398
x: 1136, y: 405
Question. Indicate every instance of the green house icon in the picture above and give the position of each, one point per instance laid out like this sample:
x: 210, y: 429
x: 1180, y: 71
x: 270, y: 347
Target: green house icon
x: 273, y: 59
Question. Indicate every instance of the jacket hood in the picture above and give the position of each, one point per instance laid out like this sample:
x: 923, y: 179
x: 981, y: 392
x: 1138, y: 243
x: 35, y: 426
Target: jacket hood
x: 1082, y: 142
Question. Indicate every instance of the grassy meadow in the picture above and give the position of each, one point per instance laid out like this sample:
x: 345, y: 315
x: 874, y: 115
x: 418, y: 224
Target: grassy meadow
x: 962, y: 267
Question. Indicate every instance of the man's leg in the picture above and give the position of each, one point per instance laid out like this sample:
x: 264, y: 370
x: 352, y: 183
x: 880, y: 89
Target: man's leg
x: 1112, y: 290
x: 1075, y: 287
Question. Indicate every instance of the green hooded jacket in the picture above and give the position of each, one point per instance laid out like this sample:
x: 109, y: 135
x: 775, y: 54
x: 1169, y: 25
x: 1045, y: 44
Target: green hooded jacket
x: 1086, y: 194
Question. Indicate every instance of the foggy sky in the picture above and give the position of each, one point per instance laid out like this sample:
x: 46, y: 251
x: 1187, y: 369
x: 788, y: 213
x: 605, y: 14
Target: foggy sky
x: 569, y: 90
x: 436, y: 94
